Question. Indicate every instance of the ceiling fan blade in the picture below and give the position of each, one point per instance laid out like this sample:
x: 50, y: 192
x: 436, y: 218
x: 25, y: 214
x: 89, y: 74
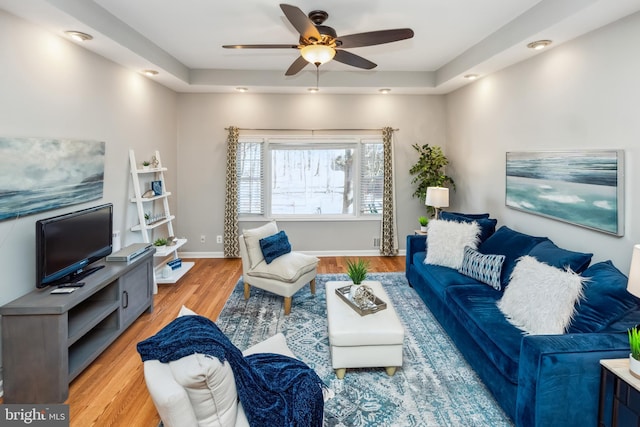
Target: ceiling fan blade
x: 301, y: 22
x: 297, y: 66
x: 260, y: 46
x: 353, y: 60
x: 374, y: 37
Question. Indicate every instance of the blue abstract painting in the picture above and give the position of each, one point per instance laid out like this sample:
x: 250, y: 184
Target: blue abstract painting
x: 580, y: 187
x: 38, y: 174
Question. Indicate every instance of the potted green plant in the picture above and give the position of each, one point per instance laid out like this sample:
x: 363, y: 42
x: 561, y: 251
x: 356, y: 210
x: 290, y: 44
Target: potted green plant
x: 160, y: 242
x: 423, y: 220
x: 634, y: 356
x: 428, y: 171
x: 357, y: 272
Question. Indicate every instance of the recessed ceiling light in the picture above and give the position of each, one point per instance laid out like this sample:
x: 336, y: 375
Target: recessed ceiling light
x: 313, y: 90
x: 384, y: 91
x: 471, y: 76
x: 79, y: 36
x: 150, y: 73
x: 242, y: 89
x: 539, y: 44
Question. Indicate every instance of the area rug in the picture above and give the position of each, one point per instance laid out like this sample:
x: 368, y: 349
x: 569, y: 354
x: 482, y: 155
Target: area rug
x: 434, y: 387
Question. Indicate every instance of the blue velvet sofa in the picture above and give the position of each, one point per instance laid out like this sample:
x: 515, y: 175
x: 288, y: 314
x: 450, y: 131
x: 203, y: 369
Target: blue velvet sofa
x: 539, y: 380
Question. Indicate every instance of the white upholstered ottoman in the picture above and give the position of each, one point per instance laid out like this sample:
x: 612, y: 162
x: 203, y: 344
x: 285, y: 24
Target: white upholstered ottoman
x: 373, y: 340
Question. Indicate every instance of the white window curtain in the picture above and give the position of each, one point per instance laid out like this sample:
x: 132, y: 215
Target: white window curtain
x: 389, y: 234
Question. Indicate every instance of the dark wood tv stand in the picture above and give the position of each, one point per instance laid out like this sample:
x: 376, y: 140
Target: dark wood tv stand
x: 48, y: 339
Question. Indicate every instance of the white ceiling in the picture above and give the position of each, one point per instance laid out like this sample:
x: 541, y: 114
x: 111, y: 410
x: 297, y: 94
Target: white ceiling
x: 183, y: 39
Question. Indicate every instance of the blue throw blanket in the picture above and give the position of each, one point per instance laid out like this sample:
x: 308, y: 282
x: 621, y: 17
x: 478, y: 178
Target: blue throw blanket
x: 275, y: 390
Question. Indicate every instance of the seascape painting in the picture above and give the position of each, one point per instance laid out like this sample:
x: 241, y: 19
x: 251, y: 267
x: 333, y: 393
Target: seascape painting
x: 580, y: 187
x: 39, y: 174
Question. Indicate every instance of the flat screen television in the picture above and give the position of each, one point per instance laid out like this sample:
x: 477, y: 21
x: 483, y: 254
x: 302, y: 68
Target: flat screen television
x: 67, y: 244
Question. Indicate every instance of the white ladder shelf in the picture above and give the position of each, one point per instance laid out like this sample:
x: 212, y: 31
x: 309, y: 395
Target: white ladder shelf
x: 146, y: 224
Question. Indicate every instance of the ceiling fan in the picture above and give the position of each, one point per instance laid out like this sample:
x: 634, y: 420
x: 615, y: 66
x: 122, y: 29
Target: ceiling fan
x: 319, y: 43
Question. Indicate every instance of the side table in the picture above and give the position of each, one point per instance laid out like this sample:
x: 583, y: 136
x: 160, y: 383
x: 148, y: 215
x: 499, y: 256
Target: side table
x: 619, y: 403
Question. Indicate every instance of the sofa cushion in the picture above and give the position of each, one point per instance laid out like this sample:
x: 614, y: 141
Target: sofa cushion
x: 549, y: 253
x: 438, y: 277
x: 210, y: 386
x: 512, y: 245
x: 446, y: 241
x: 444, y: 214
x: 274, y: 246
x: 286, y: 268
x: 487, y: 225
x: 605, y: 299
x: 540, y: 299
x: 252, y: 241
x: 475, y: 309
x: 484, y: 268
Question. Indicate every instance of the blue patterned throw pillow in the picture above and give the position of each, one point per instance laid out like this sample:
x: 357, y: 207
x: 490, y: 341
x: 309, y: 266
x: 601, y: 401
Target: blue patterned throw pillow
x: 484, y: 268
x: 275, y: 246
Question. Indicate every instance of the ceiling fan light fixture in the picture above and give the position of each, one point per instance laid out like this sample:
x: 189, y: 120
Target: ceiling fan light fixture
x: 471, y: 76
x: 539, y: 44
x: 150, y: 73
x: 384, y: 91
x: 318, y: 53
x: 79, y: 36
x: 313, y: 90
x: 242, y: 89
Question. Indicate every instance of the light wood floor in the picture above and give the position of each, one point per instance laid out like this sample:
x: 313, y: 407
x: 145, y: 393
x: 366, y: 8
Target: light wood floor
x: 112, y: 392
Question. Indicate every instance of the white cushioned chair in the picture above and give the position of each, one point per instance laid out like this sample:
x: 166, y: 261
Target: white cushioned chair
x: 284, y: 276
x: 199, y: 391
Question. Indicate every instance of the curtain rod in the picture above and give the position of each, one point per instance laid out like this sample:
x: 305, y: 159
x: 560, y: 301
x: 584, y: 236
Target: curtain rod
x: 309, y: 130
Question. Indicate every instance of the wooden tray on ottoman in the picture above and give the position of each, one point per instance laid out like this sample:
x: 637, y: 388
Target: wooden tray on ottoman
x: 376, y: 306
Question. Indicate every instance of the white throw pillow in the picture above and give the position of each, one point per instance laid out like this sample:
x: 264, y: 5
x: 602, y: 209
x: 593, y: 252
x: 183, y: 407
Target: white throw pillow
x: 252, y: 241
x: 540, y: 299
x: 446, y: 241
x: 286, y: 268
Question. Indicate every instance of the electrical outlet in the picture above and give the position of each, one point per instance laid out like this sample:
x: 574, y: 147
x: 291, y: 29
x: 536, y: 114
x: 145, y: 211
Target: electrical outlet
x: 218, y: 239
x: 202, y: 238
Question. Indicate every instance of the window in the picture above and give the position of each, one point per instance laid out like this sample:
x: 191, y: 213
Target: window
x: 302, y: 177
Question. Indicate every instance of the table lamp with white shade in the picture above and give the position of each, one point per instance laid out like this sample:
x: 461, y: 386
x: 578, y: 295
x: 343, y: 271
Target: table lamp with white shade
x: 438, y: 197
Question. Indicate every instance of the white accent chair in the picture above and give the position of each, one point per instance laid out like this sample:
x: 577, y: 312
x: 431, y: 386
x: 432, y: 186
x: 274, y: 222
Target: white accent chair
x: 284, y: 276
x: 199, y: 391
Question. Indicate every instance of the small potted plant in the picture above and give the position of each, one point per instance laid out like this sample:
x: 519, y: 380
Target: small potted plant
x: 145, y: 164
x: 160, y: 242
x: 423, y: 220
x: 634, y: 356
x: 357, y: 272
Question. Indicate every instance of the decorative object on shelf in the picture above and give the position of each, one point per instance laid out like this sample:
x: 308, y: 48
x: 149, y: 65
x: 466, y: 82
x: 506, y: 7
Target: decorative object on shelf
x: 148, y: 194
x: 581, y: 187
x: 423, y: 220
x: 172, y: 240
x: 155, y: 163
x: 429, y: 171
x: 160, y: 242
x: 166, y: 271
x: 357, y: 272
x: 437, y: 197
x: 145, y: 165
x: 156, y: 186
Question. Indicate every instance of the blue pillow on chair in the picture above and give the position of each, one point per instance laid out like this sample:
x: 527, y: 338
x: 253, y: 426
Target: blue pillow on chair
x: 274, y: 246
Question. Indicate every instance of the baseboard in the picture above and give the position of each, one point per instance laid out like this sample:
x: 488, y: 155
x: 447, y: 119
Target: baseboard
x: 319, y: 254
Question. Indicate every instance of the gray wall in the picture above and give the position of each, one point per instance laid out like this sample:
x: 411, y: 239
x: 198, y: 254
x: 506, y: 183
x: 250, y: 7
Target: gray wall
x: 581, y: 95
x: 52, y: 88
x: 202, y: 155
